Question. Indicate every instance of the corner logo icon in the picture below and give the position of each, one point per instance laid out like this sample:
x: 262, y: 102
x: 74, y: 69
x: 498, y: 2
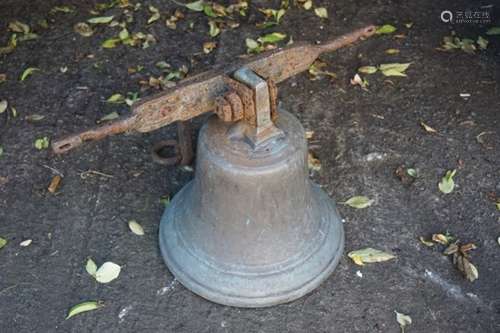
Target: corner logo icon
x: 446, y: 16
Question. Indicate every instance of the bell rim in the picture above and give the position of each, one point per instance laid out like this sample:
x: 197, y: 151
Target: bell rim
x: 297, y: 290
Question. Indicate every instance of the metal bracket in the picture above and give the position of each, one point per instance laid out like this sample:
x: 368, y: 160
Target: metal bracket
x: 264, y: 97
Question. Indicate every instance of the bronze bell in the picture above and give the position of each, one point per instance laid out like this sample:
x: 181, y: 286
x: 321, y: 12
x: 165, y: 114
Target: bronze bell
x: 251, y: 229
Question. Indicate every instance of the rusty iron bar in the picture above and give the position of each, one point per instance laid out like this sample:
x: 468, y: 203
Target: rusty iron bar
x: 198, y: 94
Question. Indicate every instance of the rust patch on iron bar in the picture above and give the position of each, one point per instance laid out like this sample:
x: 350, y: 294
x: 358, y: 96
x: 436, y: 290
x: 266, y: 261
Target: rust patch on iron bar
x: 199, y: 94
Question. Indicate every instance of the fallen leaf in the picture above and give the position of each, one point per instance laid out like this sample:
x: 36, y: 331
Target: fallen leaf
x: 411, y: 172
x: 3, y: 106
x: 394, y: 69
x: 107, y: 272
x: 116, y: 99
x: 252, y: 45
x: 196, y: 6
x: 442, y: 239
x: 313, y: 162
x: 1, y: 151
x: 84, y: 307
x: 25, y: 243
x: 321, y: 12
x: 54, y: 184
x: 27, y: 72
x: 358, y: 81
x: 34, y: 117
x: 409, y: 25
x: 42, y: 143
x: 482, y: 43
x: 123, y: 34
x: 110, y: 116
x: 135, y: 227
x: 91, y: 267
x: 403, y: 320
x: 155, y: 16
x: 214, y: 29
x: 369, y: 255
x: 17, y: 26
x: 367, y: 69
x: 307, y: 5
x: 466, y: 267
x: 427, y: 128
x: 272, y: 38
x: 446, y: 185
x: 318, y: 69
x: 3, y: 78
x: 11, y: 45
x: 111, y: 43
x: 209, y: 47
x: 385, y: 29
x: 309, y: 134
x: 83, y: 29
x: 165, y: 200
x: 493, y: 31
x: 3, y: 242
x: 61, y: 9
x: 451, y: 249
x: 100, y: 20
x: 425, y: 242
x: 358, y: 202
x: 392, y: 51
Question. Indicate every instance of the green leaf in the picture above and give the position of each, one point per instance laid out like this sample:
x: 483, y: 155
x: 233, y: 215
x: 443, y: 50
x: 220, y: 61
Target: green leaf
x: 447, y: 184
x: 493, y: 31
x: 123, y: 34
x: 62, y: 9
x: 394, y: 69
x: 91, y: 267
x: 135, y: 227
x: 34, y: 117
x: 385, y: 29
x: 3, y: 242
x: 84, y: 307
x: 482, y: 43
x: 321, y: 12
x: 497, y: 205
x: 403, y: 320
x: 110, y: 116
x: 100, y: 20
x: 367, y: 69
x: 369, y: 255
x: 196, y: 6
x: 107, y: 272
x: 359, y: 202
x: 272, y: 37
x: 251, y: 43
x: 42, y: 143
x: 411, y: 172
x: 208, y: 10
x: 1, y: 151
x: 3, y: 106
x: 111, y: 43
x: 27, y: 72
x: 116, y: 99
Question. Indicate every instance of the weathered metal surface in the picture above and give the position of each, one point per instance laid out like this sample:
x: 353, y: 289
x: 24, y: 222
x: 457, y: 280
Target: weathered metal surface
x: 183, y: 147
x: 197, y: 95
x: 251, y: 230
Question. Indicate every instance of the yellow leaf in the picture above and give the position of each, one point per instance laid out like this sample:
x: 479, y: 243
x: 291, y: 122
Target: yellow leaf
x: 392, y: 51
x: 111, y: 43
x: 427, y: 128
x: 367, y: 69
x: 369, y: 255
x: 358, y: 202
x: 321, y: 12
x: 100, y: 20
x: 27, y: 72
x: 83, y: 307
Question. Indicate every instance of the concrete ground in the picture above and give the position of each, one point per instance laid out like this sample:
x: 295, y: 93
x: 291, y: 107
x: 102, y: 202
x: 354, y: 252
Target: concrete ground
x: 361, y: 137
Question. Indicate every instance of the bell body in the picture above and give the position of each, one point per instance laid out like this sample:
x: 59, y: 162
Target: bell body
x: 251, y: 230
